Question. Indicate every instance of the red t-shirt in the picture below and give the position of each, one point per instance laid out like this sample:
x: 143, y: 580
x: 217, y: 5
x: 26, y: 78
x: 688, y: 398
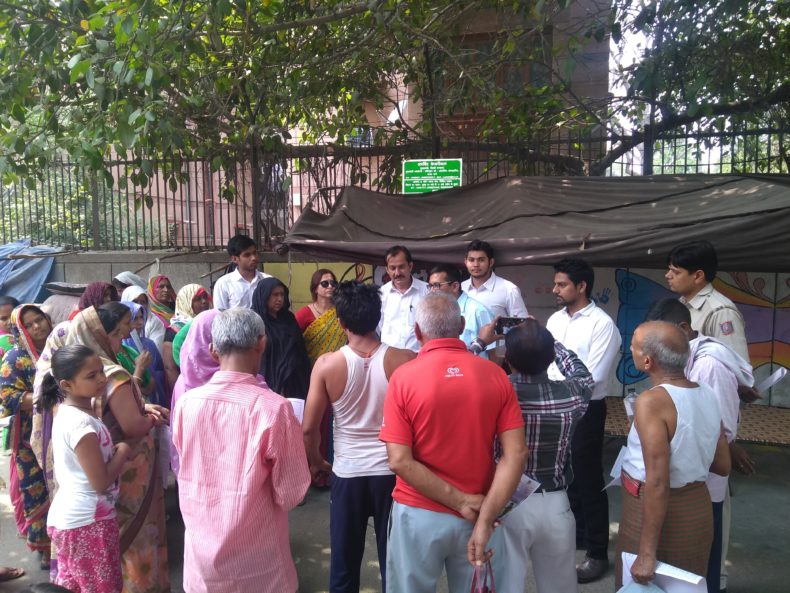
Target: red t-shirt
x: 448, y: 405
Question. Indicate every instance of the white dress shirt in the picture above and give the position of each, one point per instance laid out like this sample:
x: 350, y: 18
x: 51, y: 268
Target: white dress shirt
x: 397, y: 314
x: 723, y: 370
x: 594, y: 337
x: 501, y: 296
x: 232, y: 290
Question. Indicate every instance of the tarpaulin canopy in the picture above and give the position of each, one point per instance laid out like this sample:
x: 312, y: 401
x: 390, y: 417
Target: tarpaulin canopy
x: 609, y: 221
x: 24, y: 269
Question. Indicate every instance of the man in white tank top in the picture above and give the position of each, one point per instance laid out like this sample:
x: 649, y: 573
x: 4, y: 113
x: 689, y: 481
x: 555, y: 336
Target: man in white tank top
x: 675, y: 440
x: 724, y: 371
x: 354, y: 381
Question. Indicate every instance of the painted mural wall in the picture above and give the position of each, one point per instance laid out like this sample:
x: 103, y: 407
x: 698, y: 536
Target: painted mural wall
x: 626, y: 294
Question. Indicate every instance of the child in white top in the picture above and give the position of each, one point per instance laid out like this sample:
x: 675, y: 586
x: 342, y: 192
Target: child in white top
x: 81, y: 519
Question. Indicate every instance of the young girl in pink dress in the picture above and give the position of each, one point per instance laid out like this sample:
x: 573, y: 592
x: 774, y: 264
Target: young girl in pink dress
x: 82, y: 522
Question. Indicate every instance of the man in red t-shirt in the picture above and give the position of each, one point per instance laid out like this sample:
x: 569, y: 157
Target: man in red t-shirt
x: 441, y: 415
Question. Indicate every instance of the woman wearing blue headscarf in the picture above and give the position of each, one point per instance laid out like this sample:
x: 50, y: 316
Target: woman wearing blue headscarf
x: 140, y: 342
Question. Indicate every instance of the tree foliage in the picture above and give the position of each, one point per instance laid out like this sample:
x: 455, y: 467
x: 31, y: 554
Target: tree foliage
x: 707, y: 63
x: 213, y: 78
x: 204, y: 78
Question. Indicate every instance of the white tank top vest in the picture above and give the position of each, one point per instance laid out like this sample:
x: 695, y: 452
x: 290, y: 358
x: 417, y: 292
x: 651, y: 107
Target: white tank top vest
x: 694, y: 444
x: 358, y: 415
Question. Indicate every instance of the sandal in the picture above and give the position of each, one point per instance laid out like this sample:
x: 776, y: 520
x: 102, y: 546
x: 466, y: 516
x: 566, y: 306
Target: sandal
x: 9, y: 574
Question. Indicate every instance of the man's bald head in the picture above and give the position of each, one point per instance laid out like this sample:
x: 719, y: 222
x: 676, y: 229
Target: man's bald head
x: 664, y: 344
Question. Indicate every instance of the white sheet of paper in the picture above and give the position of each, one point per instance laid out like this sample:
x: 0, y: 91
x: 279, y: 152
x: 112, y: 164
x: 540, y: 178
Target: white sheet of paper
x: 298, y: 406
x: 6, y: 421
x: 772, y: 380
x: 526, y: 486
x: 617, y: 470
x: 670, y: 578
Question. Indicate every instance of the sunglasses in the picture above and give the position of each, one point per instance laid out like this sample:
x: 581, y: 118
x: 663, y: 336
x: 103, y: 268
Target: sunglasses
x: 328, y: 283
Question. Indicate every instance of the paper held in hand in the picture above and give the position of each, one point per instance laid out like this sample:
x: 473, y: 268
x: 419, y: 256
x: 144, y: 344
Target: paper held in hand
x: 670, y: 579
x: 772, y: 380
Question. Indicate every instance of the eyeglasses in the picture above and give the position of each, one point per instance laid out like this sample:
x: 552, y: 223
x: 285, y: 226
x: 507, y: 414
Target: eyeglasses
x: 438, y: 285
x: 328, y: 283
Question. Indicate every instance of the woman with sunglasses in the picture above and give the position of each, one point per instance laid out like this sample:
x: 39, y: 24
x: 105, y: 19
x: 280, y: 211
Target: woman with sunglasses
x: 317, y: 321
x: 322, y: 333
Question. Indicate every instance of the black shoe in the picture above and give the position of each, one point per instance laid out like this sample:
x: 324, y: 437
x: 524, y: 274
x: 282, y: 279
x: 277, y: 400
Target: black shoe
x: 591, y: 569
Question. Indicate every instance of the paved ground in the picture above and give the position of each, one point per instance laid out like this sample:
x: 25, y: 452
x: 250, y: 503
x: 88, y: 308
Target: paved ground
x: 759, y: 559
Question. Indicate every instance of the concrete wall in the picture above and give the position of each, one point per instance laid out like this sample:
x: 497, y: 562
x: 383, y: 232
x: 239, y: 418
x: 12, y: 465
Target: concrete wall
x: 187, y: 268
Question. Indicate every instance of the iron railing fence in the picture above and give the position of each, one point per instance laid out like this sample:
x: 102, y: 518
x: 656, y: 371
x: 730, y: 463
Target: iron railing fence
x: 169, y: 204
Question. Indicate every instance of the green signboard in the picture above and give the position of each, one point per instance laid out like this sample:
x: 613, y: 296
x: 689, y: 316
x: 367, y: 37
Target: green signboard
x: 426, y: 175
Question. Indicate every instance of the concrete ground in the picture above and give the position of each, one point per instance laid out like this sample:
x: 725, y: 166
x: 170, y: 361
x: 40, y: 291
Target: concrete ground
x: 759, y: 558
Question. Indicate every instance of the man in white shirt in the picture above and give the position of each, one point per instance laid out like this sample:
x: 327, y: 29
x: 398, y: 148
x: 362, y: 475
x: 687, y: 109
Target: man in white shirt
x: 399, y: 299
x: 235, y: 289
x: 584, y: 328
x: 501, y: 296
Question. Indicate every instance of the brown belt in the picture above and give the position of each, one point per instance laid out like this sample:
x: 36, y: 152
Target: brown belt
x: 634, y: 487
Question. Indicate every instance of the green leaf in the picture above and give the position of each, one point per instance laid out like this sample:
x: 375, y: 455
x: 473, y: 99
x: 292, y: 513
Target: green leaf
x: 74, y: 60
x: 89, y: 78
x: 97, y: 22
x: 148, y: 167
x: 173, y: 184
x: 617, y: 32
x: 149, y: 76
x: 127, y: 24
x: 18, y: 113
x: 126, y: 135
x: 78, y: 70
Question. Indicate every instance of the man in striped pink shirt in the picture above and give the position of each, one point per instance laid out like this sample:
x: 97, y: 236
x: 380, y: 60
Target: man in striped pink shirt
x: 243, y: 467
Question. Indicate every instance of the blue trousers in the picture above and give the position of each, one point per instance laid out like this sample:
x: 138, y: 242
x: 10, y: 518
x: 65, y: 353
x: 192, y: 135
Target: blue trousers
x: 352, y: 502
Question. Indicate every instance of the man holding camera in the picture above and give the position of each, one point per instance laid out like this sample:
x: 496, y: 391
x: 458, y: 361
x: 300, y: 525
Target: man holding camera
x: 584, y: 328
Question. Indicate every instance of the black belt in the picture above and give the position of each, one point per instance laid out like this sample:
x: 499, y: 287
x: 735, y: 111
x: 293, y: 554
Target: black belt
x: 543, y: 490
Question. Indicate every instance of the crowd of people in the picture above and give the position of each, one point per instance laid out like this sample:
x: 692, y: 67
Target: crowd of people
x: 417, y: 411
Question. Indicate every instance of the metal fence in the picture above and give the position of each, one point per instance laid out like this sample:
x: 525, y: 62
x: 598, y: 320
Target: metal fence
x: 191, y: 205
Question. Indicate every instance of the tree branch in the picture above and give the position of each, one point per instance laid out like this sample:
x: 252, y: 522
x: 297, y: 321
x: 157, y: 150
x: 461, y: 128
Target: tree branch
x: 779, y: 95
x: 317, y: 21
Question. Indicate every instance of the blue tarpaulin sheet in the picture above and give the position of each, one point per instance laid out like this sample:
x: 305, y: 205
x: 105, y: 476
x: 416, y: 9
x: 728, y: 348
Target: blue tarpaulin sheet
x: 23, y: 279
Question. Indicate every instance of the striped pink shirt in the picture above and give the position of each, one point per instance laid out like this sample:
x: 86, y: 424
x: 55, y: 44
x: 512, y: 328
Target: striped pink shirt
x: 243, y: 467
